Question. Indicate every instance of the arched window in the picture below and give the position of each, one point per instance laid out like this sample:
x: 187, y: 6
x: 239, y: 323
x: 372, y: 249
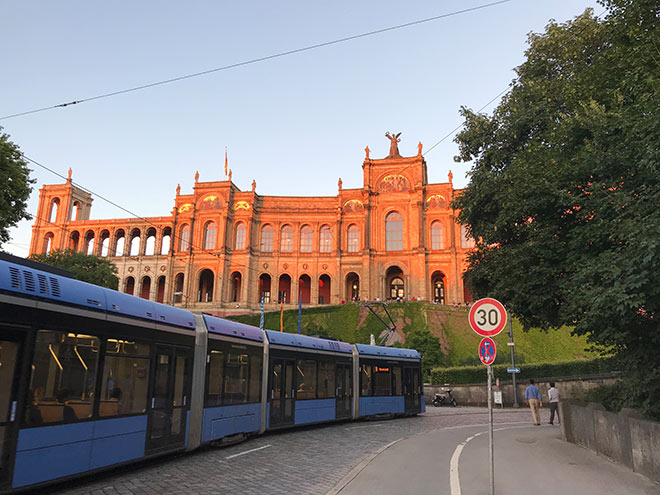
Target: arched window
x: 184, y: 243
x: 325, y: 244
x: 466, y: 240
x: 239, y: 237
x: 306, y: 239
x: 286, y: 239
x: 120, y: 241
x: 150, y: 246
x: 54, y: 206
x: 105, y: 243
x: 353, y: 239
x: 48, y: 243
x: 210, y: 230
x: 436, y: 235
x: 205, y: 292
x: 134, y: 246
x: 166, y: 241
x: 74, y: 241
x: 75, y: 211
x: 393, y: 232
x: 129, y: 285
x: 267, y: 239
x: 89, y: 243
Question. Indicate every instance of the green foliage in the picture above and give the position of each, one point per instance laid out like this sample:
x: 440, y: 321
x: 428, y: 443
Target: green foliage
x: 440, y: 333
x: 564, y: 192
x: 92, y: 269
x: 16, y: 186
x: 428, y: 346
x: 612, y: 397
x: 542, y: 371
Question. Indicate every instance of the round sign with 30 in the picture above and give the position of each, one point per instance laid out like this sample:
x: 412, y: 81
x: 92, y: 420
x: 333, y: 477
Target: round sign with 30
x: 487, y: 317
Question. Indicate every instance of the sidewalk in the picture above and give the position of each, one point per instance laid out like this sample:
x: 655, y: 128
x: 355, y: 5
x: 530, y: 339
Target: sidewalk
x: 526, y: 458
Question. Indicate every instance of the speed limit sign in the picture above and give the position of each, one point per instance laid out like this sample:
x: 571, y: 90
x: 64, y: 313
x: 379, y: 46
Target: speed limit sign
x: 487, y: 317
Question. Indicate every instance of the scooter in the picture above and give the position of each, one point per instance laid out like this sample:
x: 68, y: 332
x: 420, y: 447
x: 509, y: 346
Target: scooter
x: 444, y: 399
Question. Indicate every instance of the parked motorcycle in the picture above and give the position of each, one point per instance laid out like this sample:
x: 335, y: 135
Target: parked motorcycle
x: 444, y: 398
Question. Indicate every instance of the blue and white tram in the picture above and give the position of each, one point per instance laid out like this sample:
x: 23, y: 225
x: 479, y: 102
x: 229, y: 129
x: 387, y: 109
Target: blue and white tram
x: 91, y: 378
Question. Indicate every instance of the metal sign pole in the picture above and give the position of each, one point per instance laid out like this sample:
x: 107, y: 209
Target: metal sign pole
x: 490, y: 430
x: 513, y: 364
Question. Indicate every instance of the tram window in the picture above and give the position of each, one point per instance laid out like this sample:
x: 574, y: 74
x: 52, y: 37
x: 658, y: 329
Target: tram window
x: 326, y: 380
x: 306, y: 379
x: 254, y: 393
x: 382, y: 380
x: 125, y: 381
x: 397, y: 382
x: 365, y: 380
x: 236, y: 378
x: 215, y: 379
x: 63, y: 380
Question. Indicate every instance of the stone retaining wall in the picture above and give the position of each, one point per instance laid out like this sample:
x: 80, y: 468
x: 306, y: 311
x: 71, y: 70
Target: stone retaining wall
x: 624, y: 438
x: 477, y: 394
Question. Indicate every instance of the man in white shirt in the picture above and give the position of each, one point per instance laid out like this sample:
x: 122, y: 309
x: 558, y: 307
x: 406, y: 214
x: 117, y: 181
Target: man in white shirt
x: 553, y: 398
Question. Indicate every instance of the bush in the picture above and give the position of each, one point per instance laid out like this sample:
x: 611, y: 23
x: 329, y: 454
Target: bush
x: 477, y: 374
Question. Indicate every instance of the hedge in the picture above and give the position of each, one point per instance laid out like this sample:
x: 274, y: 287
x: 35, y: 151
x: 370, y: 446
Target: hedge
x: 477, y: 374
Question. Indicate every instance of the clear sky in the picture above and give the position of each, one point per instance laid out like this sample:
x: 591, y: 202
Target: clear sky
x: 295, y: 124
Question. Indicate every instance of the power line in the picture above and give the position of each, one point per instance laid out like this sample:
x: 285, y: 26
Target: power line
x: 256, y: 60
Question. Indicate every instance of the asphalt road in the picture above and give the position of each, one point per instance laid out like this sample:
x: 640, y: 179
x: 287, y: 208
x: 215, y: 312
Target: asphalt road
x: 402, y: 456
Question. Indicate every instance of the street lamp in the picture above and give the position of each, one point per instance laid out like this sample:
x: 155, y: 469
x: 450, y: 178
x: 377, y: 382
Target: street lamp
x: 174, y: 297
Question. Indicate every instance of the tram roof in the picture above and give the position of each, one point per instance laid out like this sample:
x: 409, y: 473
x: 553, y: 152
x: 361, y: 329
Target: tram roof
x: 233, y: 328
x: 306, y: 342
x: 35, y: 283
x: 394, y: 352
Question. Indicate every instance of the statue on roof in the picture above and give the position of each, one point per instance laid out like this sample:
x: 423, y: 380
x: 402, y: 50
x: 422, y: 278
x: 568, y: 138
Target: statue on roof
x: 178, y: 189
x: 366, y: 150
x: 70, y: 172
x: 254, y: 185
x: 419, y: 149
x: 196, y: 177
x: 394, y: 148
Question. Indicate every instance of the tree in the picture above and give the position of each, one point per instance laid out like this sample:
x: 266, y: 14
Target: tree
x: 564, y: 191
x: 16, y: 186
x: 88, y: 268
x: 428, y: 346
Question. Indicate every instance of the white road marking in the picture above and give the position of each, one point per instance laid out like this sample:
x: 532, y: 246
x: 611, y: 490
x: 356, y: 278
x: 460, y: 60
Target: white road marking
x: 247, y: 452
x: 365, y: 426
x: 454, y: 482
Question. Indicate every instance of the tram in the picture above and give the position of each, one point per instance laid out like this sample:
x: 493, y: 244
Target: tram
x: 91, y: 378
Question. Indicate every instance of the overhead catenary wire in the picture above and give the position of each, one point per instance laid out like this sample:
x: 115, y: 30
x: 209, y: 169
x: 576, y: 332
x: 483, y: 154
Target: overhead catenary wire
x: 254, y: 60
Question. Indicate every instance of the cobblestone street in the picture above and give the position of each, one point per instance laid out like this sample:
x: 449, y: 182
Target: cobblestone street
x: 301, y: 461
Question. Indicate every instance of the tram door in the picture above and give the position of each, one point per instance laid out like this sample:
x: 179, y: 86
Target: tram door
x: 411, y: 390
x: 170, y: 399
x: 343, y: 393
x: 11, y: 345
x: 282, y: 392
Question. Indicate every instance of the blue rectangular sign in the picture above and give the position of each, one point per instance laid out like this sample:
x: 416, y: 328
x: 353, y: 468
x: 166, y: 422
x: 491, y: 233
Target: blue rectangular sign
x: 513, y: 370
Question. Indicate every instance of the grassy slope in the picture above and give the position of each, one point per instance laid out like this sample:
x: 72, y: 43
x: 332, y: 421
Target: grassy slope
x: 353, y: 323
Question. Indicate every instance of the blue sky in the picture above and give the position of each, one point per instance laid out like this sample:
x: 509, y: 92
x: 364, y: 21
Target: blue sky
x: 294, y: 124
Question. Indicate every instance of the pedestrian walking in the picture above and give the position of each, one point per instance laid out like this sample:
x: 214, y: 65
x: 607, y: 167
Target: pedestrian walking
x: 553, y: 399
x: 535, y: 401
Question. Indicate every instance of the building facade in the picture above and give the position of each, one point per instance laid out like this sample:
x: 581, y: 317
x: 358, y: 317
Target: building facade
x: 222, y: 250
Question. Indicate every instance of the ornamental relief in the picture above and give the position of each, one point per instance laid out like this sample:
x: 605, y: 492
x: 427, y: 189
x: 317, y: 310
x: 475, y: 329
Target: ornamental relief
x: 394, y: 183
x: 437, y: 201
x: 211, y: 202
x: 185, y: 207
x: 353, y: 206
x: 242, y: 205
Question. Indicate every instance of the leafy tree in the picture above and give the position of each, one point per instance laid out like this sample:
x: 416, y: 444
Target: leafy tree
x: 88, y: 268
x: 16, y: 186
x: 564, y: 192
x: 428, y: 346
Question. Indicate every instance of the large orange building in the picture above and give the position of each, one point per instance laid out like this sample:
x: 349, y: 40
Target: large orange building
x: 221, y: 249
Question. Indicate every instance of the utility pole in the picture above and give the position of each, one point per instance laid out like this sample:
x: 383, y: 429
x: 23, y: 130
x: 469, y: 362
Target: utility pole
x: 513, y: 363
